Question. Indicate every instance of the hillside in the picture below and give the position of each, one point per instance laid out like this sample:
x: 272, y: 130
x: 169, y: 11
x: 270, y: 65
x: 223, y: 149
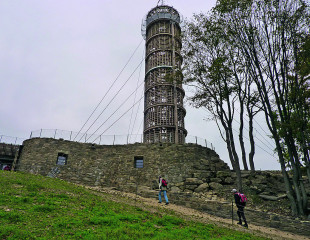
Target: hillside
x: 37, y: 207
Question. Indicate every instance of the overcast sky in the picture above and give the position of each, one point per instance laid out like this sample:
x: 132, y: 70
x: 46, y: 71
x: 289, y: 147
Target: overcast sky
x: 58, y: 58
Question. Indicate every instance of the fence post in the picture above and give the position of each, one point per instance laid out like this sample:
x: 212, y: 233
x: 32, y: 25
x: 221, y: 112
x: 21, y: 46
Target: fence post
x: 196, y: 139
x: 127, y: 138
x: 85, y: 136
x: 211, y: 146
x: 113, y: 139
x: 30, y: 135
x: 40, y: 132
x: 206, y: 143
x: 15, y: 140
x: 99, y: 139
x: 70, y: 135
x: 55, y: 134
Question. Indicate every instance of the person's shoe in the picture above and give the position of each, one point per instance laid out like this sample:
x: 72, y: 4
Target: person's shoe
x: 245, y: 225
x: 167, y: 203
x: 240, y: 223
x: 159, y: 202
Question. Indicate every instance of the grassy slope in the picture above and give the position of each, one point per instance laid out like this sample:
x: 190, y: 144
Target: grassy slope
x: 36, y: 207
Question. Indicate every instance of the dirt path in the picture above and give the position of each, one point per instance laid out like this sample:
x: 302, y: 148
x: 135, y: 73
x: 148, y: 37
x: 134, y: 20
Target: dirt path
x: 151, y: 204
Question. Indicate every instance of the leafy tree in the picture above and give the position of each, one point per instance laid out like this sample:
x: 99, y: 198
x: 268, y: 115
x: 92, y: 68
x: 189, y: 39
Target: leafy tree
x: 213, y: 67
x: 300, y: 99
x: 269, y: 41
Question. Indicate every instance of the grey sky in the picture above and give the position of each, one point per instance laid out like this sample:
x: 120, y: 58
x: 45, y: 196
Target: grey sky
x: 58, y: 59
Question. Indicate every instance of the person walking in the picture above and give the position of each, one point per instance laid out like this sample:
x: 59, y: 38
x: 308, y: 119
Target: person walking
x: 163, y: 187
x: 240, y: 201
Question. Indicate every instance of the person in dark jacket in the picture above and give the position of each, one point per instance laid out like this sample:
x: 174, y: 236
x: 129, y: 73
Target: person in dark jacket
x: 7, y: 168
x: 162, y: 189
x: 240, y: 205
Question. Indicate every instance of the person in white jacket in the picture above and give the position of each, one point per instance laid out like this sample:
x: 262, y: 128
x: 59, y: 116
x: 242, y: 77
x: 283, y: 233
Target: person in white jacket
x: 162, y: 189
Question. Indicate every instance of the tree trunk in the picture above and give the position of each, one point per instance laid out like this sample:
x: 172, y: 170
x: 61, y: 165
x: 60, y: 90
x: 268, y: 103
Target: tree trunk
x: 245, y: 165
x: 288, y: 185
x: 236, y: 158
x: 252, y: 143
x: 304, y: 197
x: 297, y: 178
x: 273, y: 130
x: 234, y: 161
x: 306, y: 155
x: 239, y: 180
x: 307, y: 163
x: 271, y: 123
x: 304, y: 194
x: 308, y: 170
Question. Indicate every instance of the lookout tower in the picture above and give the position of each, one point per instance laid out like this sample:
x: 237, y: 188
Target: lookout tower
x: 163, y: 93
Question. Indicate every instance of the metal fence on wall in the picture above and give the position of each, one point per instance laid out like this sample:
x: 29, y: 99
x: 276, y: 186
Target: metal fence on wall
x: 105, y: 139
x: 11, y: 140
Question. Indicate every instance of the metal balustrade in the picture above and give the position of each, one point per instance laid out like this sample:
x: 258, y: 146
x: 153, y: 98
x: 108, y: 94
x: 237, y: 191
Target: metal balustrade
x: 107, y: 139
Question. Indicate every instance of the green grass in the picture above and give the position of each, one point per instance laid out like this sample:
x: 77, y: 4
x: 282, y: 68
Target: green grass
x: 37, y: 207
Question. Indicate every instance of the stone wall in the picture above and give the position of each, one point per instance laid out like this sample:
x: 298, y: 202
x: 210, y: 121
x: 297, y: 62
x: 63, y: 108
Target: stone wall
x: 186, y: 167
x: 7, y: 154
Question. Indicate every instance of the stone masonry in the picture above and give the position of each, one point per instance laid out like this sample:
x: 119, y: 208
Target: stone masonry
x: 187, y: 167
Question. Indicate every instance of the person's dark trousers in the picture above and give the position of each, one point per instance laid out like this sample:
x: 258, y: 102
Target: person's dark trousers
x: 240, y: 213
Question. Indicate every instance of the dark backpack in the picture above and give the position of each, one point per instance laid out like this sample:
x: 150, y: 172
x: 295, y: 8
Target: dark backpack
x: 164, y: 183
x: 243, y: 198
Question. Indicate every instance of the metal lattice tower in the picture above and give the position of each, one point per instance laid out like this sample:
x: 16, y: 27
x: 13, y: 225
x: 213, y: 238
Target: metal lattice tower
x: 163, y: 93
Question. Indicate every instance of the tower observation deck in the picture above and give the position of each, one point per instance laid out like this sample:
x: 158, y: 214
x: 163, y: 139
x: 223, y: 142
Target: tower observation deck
x: 163, y: 93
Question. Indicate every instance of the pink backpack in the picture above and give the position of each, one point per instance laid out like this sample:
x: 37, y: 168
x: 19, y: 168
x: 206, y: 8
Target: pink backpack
x: 243, y: 197
x: 164, y: 182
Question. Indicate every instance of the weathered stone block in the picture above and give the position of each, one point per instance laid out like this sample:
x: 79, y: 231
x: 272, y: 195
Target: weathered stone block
x: 174, y: 190
x: 179, y: 184
x: 228, y: 180
x: 193, y: 181
x: 217, y: 180
x: 259, y: 179
x: 215, y: 185
x: 221, y: 165
x: 245, y: 174
x: 247, y: 182
x: 208, y: 174
x: 190, y: 187
x: 272, y: 198
x: 223, y: 174
x: 202, y: 188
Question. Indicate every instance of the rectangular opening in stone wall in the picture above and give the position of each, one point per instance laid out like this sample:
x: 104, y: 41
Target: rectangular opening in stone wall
x: 138, y: 162
x: 62, y: 159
